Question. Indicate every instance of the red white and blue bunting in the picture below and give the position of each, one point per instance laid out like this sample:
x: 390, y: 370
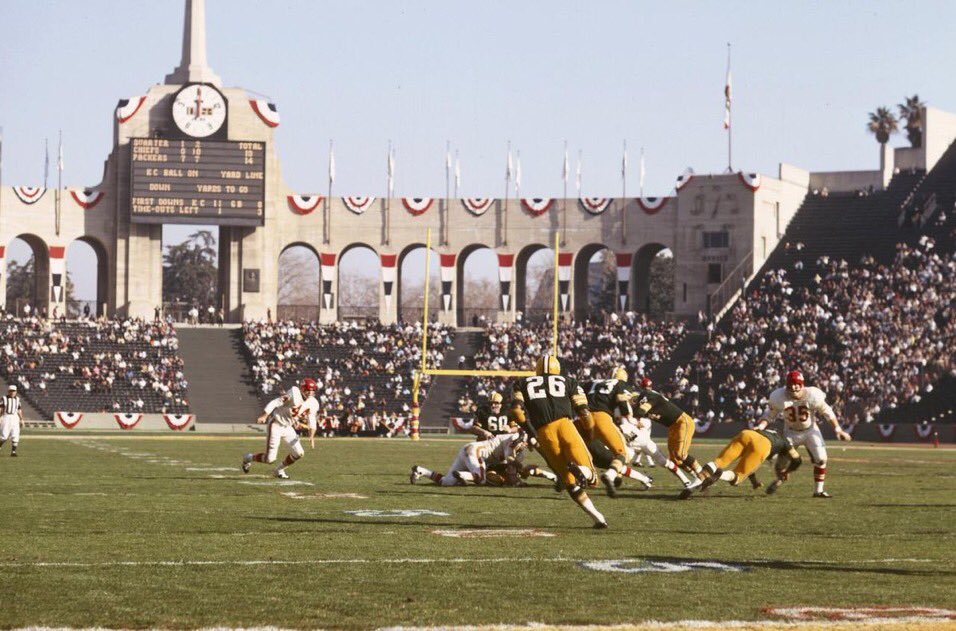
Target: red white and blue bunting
x: 29, y: 194
x: 447, y: 278
x: 651, y: 205
x: 358, y: 205
x: 477, y: 206
x: 703, y: 426
x: 924, y: 430
x: 127, y: 420
x: 304, y: 204
x: 886, y: 430
x: 178, y: 422
x: 58, y: 271
x: 86, y: 198
x: 564, y: 278
x: 537, y: 206
x: 266, y: 111
x: 69, y: 419
x: 417, y: 205
x: 750, y: 180
x: 127, y: 108
x: 595, y: 205
x: 683, y: 180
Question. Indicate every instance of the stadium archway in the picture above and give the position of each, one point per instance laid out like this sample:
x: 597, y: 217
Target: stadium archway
x: 595, y: 278
x: 359, y: 281
x: 652, y: 268
x: 298, y: 283
x: 478, y: 288
x: 86, y: 294
x: 410, y: 292
x: 534, y: 282
x: 27, y: 274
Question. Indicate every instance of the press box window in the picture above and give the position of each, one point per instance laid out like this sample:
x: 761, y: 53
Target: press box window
x: 714, y: 273
x: 717, y: 239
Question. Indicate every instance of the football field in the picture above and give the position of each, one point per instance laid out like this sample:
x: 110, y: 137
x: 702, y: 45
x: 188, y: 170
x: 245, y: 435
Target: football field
x: 146, y: 531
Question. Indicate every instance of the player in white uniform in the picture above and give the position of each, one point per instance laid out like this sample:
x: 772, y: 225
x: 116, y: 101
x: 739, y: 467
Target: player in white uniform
x: 801, y: 407
x: 295, y: 410
x: 473, y: 459
x: 11, y: 420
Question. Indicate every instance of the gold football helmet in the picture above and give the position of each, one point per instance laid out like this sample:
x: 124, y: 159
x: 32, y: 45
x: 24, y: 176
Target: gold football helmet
x: 548, y: 365
x: 495, y: 398
x: 620, y: 374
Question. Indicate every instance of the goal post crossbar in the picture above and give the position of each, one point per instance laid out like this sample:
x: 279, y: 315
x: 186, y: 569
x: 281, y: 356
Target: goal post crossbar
x: 456, y: 372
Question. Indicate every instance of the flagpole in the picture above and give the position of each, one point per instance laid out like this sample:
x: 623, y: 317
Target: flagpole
x: 1, y: 169
x: 328, y: 198
x: 564, y: 210
x: 59, y: 183
x: 46, y: 161
x: 388, y: 196
x: 447, y: 190
x: 457, y: 173
x: 642, y: 173
x: 624, y: 195
x: 730, y: 128
x: 504, y: 236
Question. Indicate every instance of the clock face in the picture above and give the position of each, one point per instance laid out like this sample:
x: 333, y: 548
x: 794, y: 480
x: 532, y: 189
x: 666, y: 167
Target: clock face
x: 199, y: 110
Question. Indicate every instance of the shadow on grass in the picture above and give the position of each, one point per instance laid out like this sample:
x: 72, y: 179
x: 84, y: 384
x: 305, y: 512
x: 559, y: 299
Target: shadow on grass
x: 463, y: 491
x: 803, y: 566
x: 394, y: 522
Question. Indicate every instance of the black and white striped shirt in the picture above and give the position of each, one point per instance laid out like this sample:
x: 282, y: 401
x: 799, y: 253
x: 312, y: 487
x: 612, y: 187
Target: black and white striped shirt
x: 11, y: 405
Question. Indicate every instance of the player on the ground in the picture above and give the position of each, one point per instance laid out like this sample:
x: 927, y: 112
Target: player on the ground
x: 800, y: 407
x: 490, y: 420
x: 545, y: 404
x: 607, y: 398
x: 680, y: 426
x: 11, y: 419
x: 472, y: 461
x: 285, y: 415
x: 752, y: 448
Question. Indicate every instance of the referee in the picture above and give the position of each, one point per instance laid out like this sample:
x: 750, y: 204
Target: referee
x: 11, y: 420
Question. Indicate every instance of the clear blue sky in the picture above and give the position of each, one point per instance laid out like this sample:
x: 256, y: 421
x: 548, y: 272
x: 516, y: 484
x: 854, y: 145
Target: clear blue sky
x: 480, y: 73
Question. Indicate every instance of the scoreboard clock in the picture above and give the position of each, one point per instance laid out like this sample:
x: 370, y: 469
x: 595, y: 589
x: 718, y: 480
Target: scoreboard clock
x: 199, y: 110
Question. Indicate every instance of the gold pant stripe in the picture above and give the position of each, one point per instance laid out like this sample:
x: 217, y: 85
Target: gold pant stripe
x: 679, y: 437
x: 560, y: 444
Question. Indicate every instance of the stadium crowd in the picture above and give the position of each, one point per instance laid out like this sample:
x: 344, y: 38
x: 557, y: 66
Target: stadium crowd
x: 94, y: 365
x: 364, y: 371
x: 872, y: 336
x: 591, y: 349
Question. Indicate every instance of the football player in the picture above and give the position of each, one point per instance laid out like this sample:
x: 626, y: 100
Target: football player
x: 800, y: 407
x: 472, y: 461
x: 544, y: 404
x: 607, y: 398
x: 680, y: 426
x: 489, y: 420
x: 750, y: 448
x: 638, y: 434
x: 294, y: 410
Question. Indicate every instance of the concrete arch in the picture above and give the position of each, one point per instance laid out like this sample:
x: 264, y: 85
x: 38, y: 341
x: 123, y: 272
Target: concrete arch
x: 521, y: 281
x: 353, y: 294
x: 38, y: 292
x: 468, y: 311
x: 586, y: 303
x: 434, y: 276
x: 641, y: 276
x: 297, y: 283
x: 103, y: 266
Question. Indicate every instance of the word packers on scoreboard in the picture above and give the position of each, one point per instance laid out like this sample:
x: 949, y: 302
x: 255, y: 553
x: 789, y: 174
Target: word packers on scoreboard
x: 197, y: 181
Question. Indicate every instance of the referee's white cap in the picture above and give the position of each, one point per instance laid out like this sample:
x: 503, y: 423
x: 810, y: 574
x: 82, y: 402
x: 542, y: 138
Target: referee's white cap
x: 12, y: 388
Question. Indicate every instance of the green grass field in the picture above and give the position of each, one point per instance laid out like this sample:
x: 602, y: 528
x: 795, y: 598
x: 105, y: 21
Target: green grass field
x: 124, y: 531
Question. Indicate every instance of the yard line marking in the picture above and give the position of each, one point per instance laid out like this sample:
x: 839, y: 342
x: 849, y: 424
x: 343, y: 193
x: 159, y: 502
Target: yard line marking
x: 386, y: 561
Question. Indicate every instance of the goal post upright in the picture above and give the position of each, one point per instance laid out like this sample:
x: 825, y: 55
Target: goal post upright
x: 554, y: 314
x: 417, y: 381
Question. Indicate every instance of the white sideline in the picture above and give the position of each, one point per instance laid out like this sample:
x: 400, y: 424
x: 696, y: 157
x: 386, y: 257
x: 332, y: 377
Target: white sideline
x: 398, y: 561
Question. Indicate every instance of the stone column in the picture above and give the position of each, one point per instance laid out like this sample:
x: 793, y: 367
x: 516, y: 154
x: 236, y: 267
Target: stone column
x: 448, y: 304
x: 506, y: 288
x: 328, y: 288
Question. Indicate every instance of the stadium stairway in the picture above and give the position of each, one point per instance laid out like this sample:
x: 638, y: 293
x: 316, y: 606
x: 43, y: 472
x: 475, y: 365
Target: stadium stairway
x: 219, y: 388
x: 682, y: 355
x: 442, y: 400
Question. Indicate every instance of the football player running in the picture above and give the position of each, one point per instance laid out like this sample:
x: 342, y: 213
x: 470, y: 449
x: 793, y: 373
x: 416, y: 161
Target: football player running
x: 544, y: 405
x: 285, y: 415
x: 472, y: 461
x: 750, y: 448
x: 800, y: 407
x: 680, y: 426
x: 607, y: 397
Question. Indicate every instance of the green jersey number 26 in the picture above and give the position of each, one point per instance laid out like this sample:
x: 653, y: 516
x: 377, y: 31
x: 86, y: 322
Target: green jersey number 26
x: 541, y: 386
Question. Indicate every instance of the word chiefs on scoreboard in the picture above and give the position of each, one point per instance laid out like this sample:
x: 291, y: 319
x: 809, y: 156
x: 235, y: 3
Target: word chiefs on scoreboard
x: 197, y: 177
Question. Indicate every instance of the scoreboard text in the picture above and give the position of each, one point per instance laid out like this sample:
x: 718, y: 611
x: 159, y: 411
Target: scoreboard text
x: 197, y: 181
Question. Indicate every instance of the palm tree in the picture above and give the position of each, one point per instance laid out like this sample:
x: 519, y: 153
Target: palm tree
x: 912, y: 112
x: 882, y: 124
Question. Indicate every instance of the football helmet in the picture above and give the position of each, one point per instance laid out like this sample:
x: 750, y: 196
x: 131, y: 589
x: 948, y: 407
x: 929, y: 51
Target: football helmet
x: 619, y: 373
x: 308, y: 385
x: 646, y: 382
x: 547, y: 365
x: 794, y: 377
x: 495, y: 398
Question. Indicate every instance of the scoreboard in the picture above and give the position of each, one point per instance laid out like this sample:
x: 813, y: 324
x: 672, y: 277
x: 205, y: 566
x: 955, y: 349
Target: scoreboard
x: 197, y: 181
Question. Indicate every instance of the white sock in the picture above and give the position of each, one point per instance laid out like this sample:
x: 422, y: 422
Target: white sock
x: 819, y: 487
x: 589, y: 508
x: 542, y: 473
x: 466, y: 476
x: 728, y: 476
x: 610, y: 474
x: 637, y: 475
x: 711, y: 467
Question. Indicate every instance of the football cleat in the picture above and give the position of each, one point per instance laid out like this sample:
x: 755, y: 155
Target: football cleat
x: 280, y: 473
x: 415, y: 475
x: 246, y: 465
x: 692, y: 484
x: 601, y: 525
x: 13, y: 454
x: 686, y: 493
x: 776, y: 484
x: 822, y: 494
x: 583, y: 475
x: 609, y: 484
x: 618, y: 481
x: 708, y: 482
